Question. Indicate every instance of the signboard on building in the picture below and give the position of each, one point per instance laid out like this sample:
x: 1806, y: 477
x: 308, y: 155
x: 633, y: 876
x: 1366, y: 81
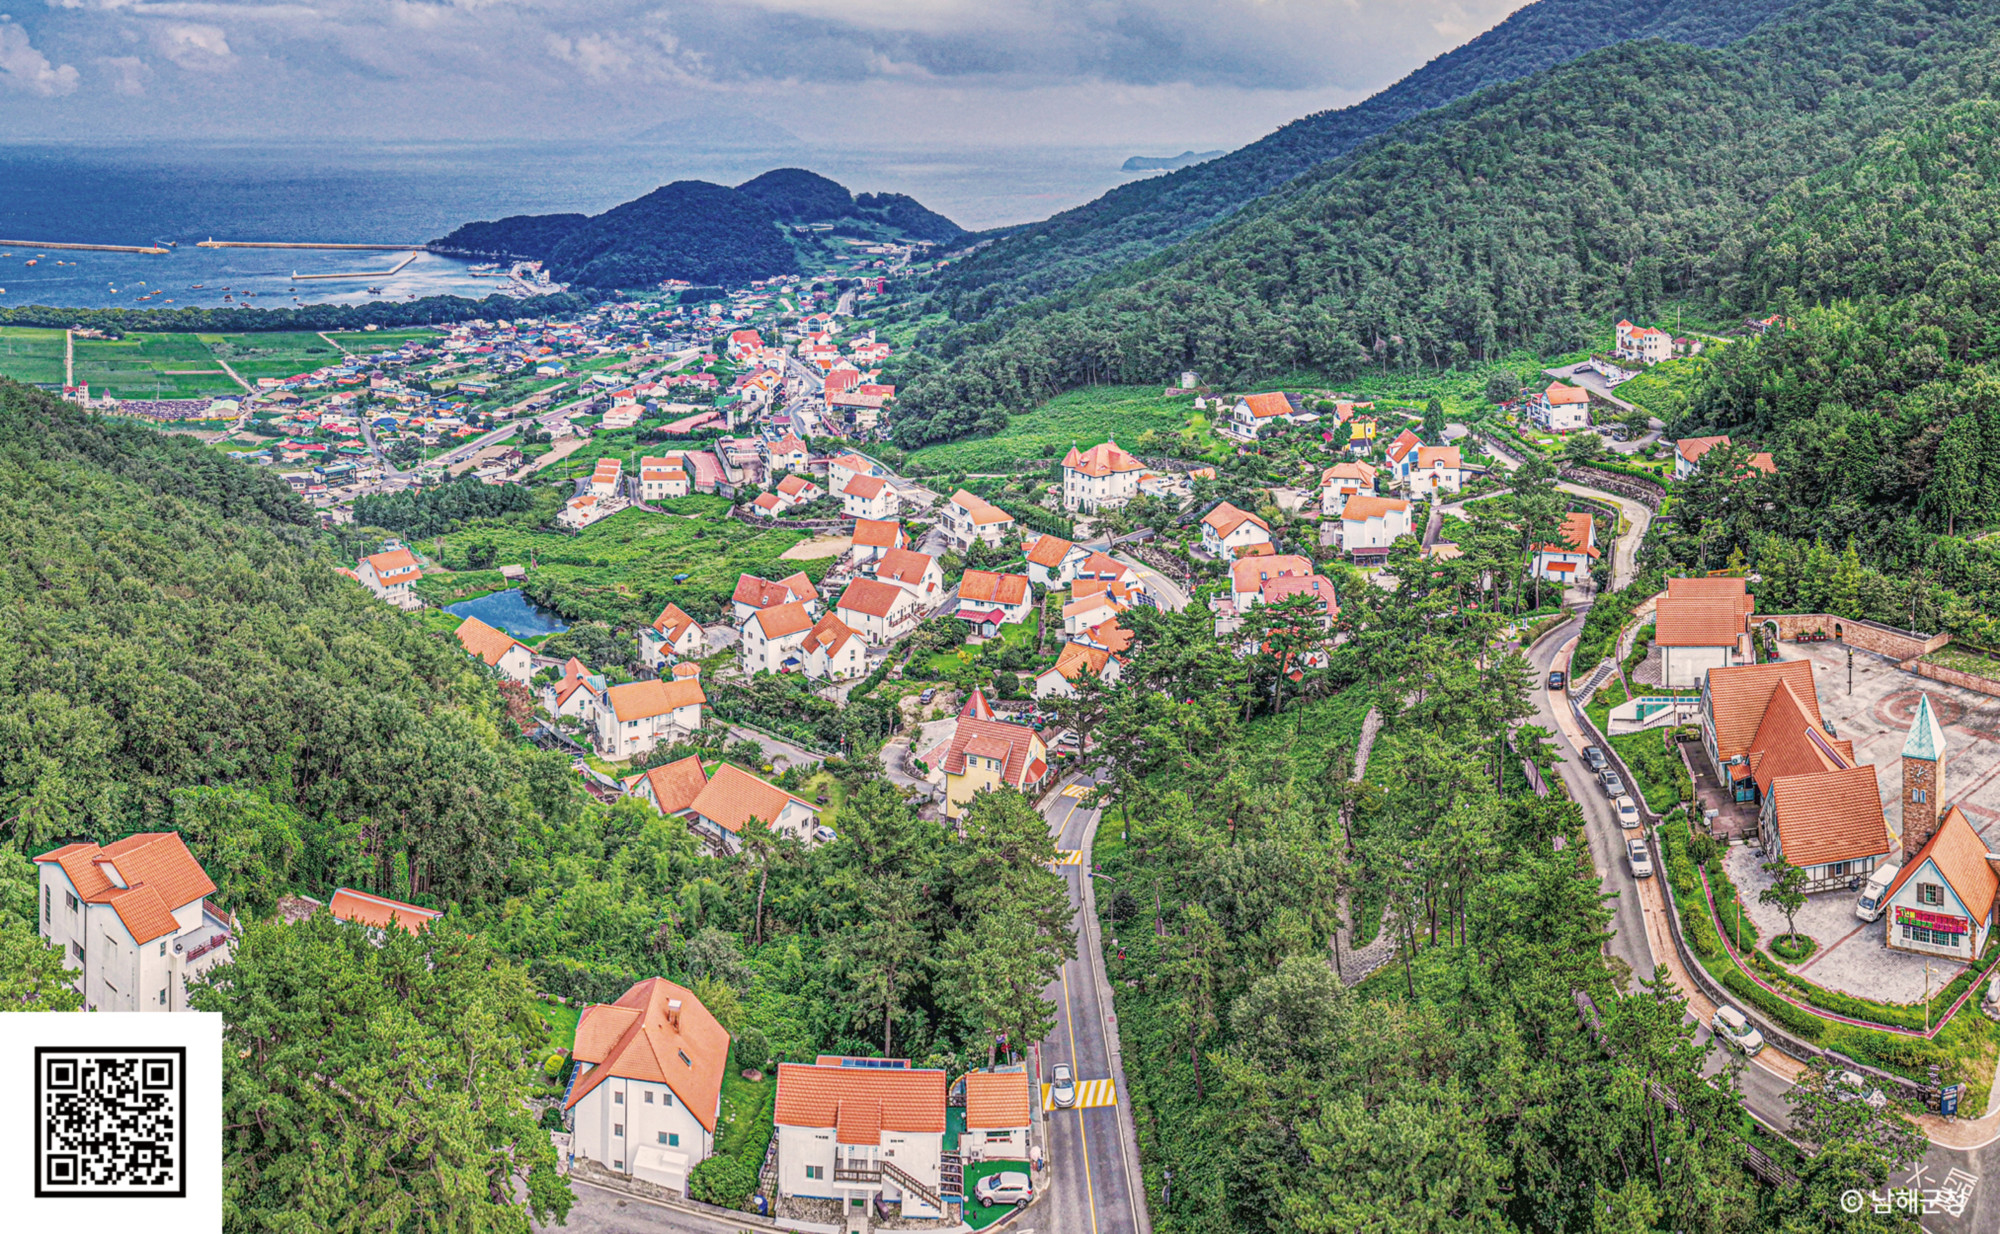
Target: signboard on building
x: 1943, y: 922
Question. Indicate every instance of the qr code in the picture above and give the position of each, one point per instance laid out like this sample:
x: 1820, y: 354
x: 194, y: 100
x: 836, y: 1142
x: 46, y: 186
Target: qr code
x: 110, y: 1121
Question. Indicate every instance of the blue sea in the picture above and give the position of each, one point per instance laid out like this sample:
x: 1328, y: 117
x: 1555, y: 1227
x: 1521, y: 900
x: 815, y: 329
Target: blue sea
x: 408, y: 194
x: 510, y: 611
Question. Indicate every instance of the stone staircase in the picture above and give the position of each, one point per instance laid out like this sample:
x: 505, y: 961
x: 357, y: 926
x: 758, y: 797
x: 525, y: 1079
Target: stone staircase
x: 1580, y: 692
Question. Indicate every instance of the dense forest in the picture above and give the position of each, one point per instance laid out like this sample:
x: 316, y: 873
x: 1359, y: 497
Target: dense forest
x: 1508, y: 220
x: 387, y: 314
x: 530, y: 236
x: 1137, y: 219
x: 419, y: 512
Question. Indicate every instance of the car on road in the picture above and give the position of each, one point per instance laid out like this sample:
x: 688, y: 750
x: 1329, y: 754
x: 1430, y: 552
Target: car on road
x: 1641, y: 860
x: 1628, y: 812
x: 1595, y: 757
x: 1006, y: 1187
x: 1062, y: 1086
x: 1734, y: 1030
x: 1557, y: 679
x: 1614, y: 785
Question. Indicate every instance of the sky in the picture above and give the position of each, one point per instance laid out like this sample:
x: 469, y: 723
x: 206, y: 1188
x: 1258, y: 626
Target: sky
x: 1154, y: 76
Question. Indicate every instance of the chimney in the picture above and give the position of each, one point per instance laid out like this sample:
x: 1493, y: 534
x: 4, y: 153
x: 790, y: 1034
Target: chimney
x: 674, y: 1012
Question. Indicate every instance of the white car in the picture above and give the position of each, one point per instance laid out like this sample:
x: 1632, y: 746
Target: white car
x: 1062, y: 1086
x: 1733, y: 1030
x: 1628, y: 813
x: 1848, y: 1086
x: 825, y: 835
x: 1641, y: 860
x: 1010, y: 1187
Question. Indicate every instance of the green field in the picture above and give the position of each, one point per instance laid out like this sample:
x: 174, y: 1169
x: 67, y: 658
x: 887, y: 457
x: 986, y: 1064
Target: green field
x: 151, y: 366
x: 377, y: 340
x: 622, y: 569
x: 31, y: 355
x: 1080, y: 418
x: 277, y: 354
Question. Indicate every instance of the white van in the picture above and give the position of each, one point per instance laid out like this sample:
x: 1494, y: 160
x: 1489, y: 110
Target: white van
x: 1875, y: 892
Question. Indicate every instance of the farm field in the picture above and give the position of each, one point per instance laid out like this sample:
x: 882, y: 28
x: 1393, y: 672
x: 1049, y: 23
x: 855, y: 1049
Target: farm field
x: 622, y: 570
x: 277, y: 354
x: 151, y: 366
x: 362, y: 341
x: 1081, y: 417
x: 30, y: 354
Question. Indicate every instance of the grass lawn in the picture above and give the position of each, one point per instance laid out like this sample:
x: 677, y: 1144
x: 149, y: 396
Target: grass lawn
x: 378, y: 340
x: 32, y: 355
x: 562, y: 1025
x: 1961, y: 660
x: 1081, y: 417
x: 622, y: 569
x: 836, y: 797
x: 978, y: 1215
x: 744, y: 1129
x: 1017, y: 634
x: 144, y: 366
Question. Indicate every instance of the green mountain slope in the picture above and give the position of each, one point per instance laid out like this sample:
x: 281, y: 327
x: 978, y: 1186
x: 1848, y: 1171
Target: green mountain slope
x: 1506, y: 220
x: 689, y: 229
x: 1137, y: 219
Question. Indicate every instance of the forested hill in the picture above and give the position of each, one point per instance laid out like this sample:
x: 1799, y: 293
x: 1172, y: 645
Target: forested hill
x: 1510, y: 219
x: 178, y: 652
x: 1136, y: 219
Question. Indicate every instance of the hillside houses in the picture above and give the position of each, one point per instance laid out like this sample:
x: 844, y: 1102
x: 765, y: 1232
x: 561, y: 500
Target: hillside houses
x: 389, y: 575
x: 663, y: 478
x: 1099, y: 478
x: 1226, y: 531
x: 987, y: 600
x: 1560, y: 408
x: 881, y: 612
x: 647, y: 1095
x: 497, y: 650
x: 1254, y: 414
x: 771, y: 638
x: 873, y: 539
x: 673, y: 635
x: 869, y: 497
x: 967, y: 517
x: 1052, y: 560
x: 753, y: 593
x: 1568, y: 561
x: 635, y: 717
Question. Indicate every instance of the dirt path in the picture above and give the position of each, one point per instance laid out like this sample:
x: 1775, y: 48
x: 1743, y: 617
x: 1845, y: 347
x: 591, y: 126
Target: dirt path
x: 1355, y: 964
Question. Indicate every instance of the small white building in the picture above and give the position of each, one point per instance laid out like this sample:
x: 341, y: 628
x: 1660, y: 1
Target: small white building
x: 869, y: 497
x: 982, y: 593
x: 753, y: 593
x: 1341, y: 481
x: 1370, y: 525
x: 648, y: 1086
x: 880, y: 612
x: 833, y: 652
x: 1075, y: 661
x: 855, y: 1129
x: 875, y: 537
x: 1099, y: 478
x: 1561, y: 408
x: 732, y: 797
x: 635, y: 717
x: 967, y: 518
x: 605, y: 480
x: 998, y: 1114
x: 389, y: 574
x: 1254, y: 413
x: 661, y: 479
x: 1568, y: 562
x: 133, y: 918
x: 497, y: 649
x: 1053, y: 561
x: 674, y: 635
x: 1437, y: 470
x: 1226, y: 530
x: 771, y: 639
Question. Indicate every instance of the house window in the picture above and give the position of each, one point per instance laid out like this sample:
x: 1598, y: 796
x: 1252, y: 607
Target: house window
x: 672, y: 1139
x: 1930, y: 893
x: 649, y: 1098
x: 617, y: 1165
x: 1920, y: 795
x: 618, y: 1129
x: 69, y: 900
x: 76, y: 949
x: 163, y: 998
x: 163, y: 946
x: 618, y: 1099
x: 47, y: 901
x: 685, y: 1058
x: 815, y: 1171
x: 1936, y: 938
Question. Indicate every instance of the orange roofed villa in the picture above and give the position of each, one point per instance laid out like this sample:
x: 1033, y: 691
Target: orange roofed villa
x: 647, y: 1092
x: 134, y: 918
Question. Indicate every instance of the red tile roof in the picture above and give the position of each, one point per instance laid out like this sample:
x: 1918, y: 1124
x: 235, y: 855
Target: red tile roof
x: 640, y: 700
x: 1738, y: 697
x: 675, y: 785
x: 1830, y: 816
x: 1692, y: 448
x: 1710, y: 588
x: 979, y: 509
x: 379, y: 911
x: 1697, y: 621
x: 1250, y: 573
x: 641, y: 1037
x: 1438, y: 456
x: 1400, y: 448
x: 830, y: 635
x: 673, y: 623
x: 1264, y: 406
x: 996, y: 1100
x: 1049, y: 551
x: 792, y: 486
x: 1560, y: 395
x: 1361, y: 506
x: 397, y: 566
x: 762, y: 593
x: 1578, y: 534
x: 1789, y: 741
x: 865, y: 595
x: 867, y: 488
x: 158, y: 871
x: 1101, y: 460
x: 1076, y: 658
x: 781, y: 620
x: 733, y: 797
x: 1957, y: 852
x: 985, y: 587
x: 905, y: 566
x: 1315, y: 585
x: 877, y: 533
x: 860, y: 1101
x: 1226, y: 518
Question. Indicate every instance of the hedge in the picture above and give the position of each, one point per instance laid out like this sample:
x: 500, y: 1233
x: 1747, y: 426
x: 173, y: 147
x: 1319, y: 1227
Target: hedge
x: 1799, y: 1023
x: 578, y: 980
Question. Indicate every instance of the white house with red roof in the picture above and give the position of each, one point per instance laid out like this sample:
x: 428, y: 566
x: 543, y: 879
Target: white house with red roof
x: 1254, y: 413
x: 605, y: 478
x: 1568, y: 561
x: 497, y: 650
x: 1644, y: 343
x: 634, y: 717
x: 988, y: 600
x: 133, y: 919
x: 1099, y: 478
x: 753, y: 593
x: 1561, y: 408
x: 771, y: 639
x: 1688, y: 452
x: 917, y: 573
x: 1402, y: 456
x: 1226, y: 531
x: 988, y: 754
x: 743, y: 344
x: 841, y: 469
x: 1052, y: 560
x: 1341, y: 481
x: 379, y: 913
x: 998, y: 1113
x: 786, y: 454
x: 389, y: 574
x: 869, y: 497
x: 1370, y: 525
x: 648, y: 1086
x: 673, y: 635
x: 860, y: 1129
x: 1248, y: 575
x: 968, y: 517
x: 576, y: 694
x: 1701, y: 624
x: 881, y: 612
x: 732, y: 797
x: 663, y: 478
x: 833, y: 651
x: 1942, y: 900
x: 874, y: 538
x: 797, y: 490
x: 1437, y: 469
x: 1092, y: 603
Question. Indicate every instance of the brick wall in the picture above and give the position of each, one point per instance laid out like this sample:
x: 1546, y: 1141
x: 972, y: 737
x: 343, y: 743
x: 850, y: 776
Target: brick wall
x: 1952, y: 677
x: 1872, y: 636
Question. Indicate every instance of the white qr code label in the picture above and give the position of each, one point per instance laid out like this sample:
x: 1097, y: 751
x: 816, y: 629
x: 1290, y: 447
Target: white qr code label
x: 111, y: 1121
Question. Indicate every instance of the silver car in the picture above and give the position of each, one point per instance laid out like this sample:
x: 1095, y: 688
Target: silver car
x: 1642, y: 861
x: 1733, y: 1029
x: 1062, y: 1086
x: 1008, y: 1187
x: 1628, y: 813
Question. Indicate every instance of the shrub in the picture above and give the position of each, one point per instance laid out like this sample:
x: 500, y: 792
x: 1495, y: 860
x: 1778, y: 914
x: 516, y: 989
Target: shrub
x: 1799, y: 1023
x: 552, y: 1066
x: 1793, y: 947
x: 753, y: 1049
x: 722, y: 1181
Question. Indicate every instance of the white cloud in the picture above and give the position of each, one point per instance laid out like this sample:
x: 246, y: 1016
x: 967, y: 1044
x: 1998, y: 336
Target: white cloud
x: 129, y: 74
x: 196, y: 48
x: 24, y: 68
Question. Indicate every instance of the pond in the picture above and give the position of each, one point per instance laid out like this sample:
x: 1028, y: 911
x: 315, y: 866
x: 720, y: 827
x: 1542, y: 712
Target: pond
x: 510, y: 611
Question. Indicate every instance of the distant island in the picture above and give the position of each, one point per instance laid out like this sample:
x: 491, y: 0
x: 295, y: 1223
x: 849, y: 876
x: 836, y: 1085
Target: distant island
x: 701, y: 232
x: 1186, y: 158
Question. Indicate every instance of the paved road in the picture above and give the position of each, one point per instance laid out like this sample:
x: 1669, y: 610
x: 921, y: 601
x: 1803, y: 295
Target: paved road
x: 1095, y: 1185
x: 598, y: 1210
x: 1624, y: 562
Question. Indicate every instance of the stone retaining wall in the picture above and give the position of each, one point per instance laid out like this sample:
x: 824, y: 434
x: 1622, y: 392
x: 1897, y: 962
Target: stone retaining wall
x: 1647, y: 493
x: 1953, y: 677
x: 1859, y: 633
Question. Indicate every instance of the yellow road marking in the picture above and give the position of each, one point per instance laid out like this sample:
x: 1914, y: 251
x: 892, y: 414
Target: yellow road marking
x: 1090, y: 1094
x: 1088, y: 1189
x: 1069, y: 856
x: 1076, y: 790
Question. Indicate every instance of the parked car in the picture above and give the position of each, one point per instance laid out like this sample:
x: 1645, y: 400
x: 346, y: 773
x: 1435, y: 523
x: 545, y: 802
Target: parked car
x: 1062, y: 1086
x: 1846, y: 1086
x: 1732, y: 1029
x: 930, y: 692
x: 1595, y: 757
x: 1007, y: 1187
x: 825, y: 835
x: 1641, y: 860
x: 1614, y: 786
x: 1628, y: 812
x: 1557, y: 679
